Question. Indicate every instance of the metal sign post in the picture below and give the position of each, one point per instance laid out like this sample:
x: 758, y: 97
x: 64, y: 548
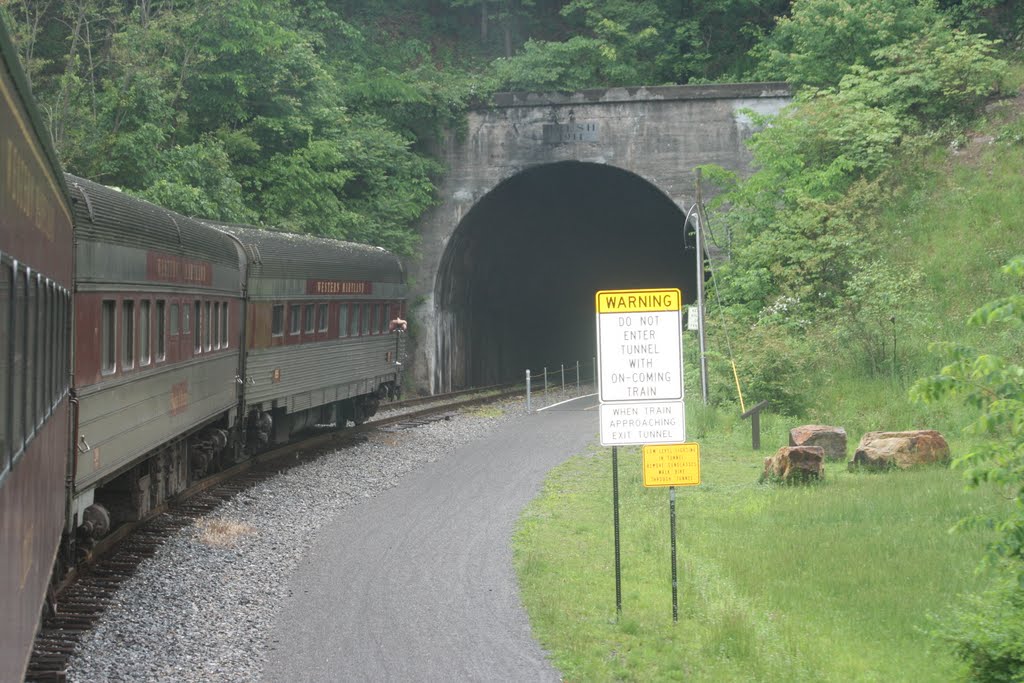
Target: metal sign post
x: 672, y: 532
x: 672, y: 466
x: 640, y: 385
x: 615, y: 508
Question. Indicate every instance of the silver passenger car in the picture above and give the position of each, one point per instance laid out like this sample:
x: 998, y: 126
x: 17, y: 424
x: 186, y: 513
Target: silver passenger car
x: 158, y: 307
x: 321, y: 347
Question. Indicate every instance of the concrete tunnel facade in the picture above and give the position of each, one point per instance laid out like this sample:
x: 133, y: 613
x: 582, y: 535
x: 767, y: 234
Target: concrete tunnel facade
x: 515, y: 288
x: 550, y: 198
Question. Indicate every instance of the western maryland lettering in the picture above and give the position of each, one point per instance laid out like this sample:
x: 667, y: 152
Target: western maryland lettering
x: 638, y: 300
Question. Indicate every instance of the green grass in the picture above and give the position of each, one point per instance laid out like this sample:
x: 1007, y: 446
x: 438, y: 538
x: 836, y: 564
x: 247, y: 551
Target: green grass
x: 841, y: 581
x: 833, y: 582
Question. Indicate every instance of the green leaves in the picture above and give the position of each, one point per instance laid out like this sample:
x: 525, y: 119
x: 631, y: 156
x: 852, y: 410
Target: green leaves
x: 995, y: 387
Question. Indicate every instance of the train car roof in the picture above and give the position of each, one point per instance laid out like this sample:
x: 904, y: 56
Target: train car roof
x: 276, y: 254
x: 12, y: 68
x: 110, y: 216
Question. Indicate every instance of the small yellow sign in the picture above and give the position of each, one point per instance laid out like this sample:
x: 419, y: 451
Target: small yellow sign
x: 638, y: 300
x: 676, y: 464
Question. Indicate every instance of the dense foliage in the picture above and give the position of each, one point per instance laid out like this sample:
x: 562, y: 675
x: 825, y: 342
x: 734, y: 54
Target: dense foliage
x: 318, y: 116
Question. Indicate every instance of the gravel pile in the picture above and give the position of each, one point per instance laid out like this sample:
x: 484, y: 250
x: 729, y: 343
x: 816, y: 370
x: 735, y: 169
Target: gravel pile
x: 202, y: 607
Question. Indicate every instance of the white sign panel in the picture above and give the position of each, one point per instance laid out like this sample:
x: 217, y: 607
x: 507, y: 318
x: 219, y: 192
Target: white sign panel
x: 651, y: 422
x: 640, y: 355
x: 640, y: 368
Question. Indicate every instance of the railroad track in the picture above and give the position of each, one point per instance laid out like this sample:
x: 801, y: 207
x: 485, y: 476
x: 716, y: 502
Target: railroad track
x: 82, y: 598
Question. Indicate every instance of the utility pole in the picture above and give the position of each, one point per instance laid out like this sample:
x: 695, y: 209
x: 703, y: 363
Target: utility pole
x: 700, y: 294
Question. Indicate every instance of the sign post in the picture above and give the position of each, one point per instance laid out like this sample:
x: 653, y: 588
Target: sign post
x: 672, y: 466
x: 640, y: 381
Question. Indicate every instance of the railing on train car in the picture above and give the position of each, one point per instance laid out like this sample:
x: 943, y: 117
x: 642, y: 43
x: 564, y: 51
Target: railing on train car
x: 572, y: 375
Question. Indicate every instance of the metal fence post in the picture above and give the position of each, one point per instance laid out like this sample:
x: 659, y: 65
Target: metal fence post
x: 545, y: 379
x: 528, y: 407
x: 577, y: 375
x: 563, y: 376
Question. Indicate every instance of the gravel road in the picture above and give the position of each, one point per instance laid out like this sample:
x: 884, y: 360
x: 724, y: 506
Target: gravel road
x: 386, y: 561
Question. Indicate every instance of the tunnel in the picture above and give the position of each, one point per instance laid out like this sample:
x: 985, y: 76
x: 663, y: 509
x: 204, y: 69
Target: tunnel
x: 516, y: 284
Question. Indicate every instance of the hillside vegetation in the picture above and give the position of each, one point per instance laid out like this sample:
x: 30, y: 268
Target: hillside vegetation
x: 885, y: 203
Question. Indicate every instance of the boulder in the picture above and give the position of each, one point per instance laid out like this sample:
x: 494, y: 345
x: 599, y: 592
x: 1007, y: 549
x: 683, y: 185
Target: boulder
x: 882, y: 450
x: 792, y: 464
x: 832, y: 440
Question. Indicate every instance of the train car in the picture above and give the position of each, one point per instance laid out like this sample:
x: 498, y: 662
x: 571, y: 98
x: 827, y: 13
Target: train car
x: 319, y: 344
x: 36, y: 264
x: 159, y: 312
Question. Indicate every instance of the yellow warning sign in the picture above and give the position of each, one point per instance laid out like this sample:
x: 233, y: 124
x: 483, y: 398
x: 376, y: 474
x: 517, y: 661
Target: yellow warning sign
x: 638, y: 300
x: 676, y: 464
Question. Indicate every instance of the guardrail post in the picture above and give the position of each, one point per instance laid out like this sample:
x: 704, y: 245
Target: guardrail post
x: 563, y: 376
x: 577, y: 375
x: 545, y: 379
x: 528, y: 406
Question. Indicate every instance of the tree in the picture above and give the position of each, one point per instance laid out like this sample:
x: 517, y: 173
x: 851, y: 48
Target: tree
x: 989, y: 635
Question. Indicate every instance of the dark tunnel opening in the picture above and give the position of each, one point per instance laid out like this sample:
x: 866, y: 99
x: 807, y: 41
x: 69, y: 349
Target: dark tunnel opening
x: 517, y: 282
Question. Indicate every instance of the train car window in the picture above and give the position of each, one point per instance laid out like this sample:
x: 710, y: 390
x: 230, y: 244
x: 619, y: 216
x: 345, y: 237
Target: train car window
x: 30, y: 352
x: 186, y: 319
x: 128, y: 334
x: 321, y: 317
x: 277, y: 321
x: 343, y: 320
x: 108, y: 330
x: 208, y: 328
x: 161, y: 330
x: 65, y: 340
x: 365, y: 320
x: 224, y: 325
x: 145, y: 329
x: 174, y: 319
x: 310, y: 323
x: 216, y: 324
x: 374, y: 316
x: 50, y: 346
x: 6, y: 310
x: 53, y: 315
x: 197, y: 339
x: 40, y: 350
x: 18, y: 362
x: 296, y: 314
x: 384, y: 319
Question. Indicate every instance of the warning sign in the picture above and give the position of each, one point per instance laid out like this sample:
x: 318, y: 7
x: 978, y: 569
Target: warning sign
x: 640, y: 368
x: 672, y: 464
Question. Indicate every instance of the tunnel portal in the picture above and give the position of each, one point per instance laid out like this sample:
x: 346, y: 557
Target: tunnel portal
x: 516, y: 283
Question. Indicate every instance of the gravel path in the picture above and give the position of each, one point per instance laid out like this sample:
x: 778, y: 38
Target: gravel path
x: 202, y: 608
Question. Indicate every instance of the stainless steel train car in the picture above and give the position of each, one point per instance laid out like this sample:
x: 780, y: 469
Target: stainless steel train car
x: 36, y: 260
x: 319, y: 346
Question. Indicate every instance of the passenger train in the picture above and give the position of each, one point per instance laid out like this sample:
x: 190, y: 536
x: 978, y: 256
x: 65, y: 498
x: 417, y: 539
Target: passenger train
x: 142, y: 349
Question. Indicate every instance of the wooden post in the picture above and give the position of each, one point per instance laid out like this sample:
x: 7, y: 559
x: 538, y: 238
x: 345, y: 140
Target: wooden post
x: 755, y: 424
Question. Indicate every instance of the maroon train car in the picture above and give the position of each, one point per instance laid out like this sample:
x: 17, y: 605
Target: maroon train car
x: 35, y: 350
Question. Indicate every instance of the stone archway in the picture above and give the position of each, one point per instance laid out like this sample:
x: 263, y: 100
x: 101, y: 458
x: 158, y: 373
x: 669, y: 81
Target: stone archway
x: 515, y: 286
